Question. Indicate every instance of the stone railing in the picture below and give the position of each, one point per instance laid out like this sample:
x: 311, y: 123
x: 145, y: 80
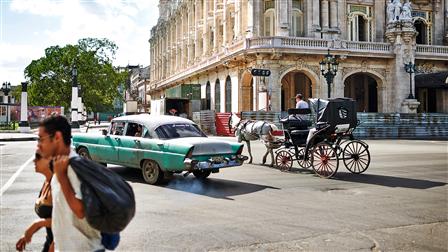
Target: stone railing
x: 314, y: 43
x: 432, y: 49
x: 368, y: 46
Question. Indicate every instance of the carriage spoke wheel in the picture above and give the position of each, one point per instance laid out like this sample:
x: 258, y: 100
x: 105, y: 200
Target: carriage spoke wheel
x: 284, y: 160
x: 304, y: 162
x: 324, y: 160
x: 356, y: 156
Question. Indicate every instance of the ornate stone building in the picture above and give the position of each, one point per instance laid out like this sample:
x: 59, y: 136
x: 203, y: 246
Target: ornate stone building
x: 215, y: 43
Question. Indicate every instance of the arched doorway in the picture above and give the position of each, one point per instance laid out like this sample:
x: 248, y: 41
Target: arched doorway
x: 217, y: 96
x: 364, y: 89
x: 421, y: 28
x: 208, y: 96
x: 246, y: 101
x: 228, y: 94
x: 293, y: 83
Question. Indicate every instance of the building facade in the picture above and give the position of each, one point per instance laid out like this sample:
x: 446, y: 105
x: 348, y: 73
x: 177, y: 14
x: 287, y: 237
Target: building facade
x: 216, y: 43
x: 139, y: 85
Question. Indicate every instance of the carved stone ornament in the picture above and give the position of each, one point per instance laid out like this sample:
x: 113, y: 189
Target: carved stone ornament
x: 425, y: 68
x: 300, y: 65
x: 346, y: 71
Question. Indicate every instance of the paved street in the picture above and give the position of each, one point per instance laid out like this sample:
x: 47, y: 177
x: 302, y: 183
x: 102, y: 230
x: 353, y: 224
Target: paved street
x: 399, y: 204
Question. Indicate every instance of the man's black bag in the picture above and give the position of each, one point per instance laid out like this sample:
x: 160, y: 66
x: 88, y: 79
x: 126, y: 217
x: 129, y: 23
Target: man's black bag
x: 109, y: 202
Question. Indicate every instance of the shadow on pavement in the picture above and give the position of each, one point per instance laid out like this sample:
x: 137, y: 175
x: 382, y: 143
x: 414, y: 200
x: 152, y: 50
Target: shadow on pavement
x: 211, y: 187
x: 387, y: 180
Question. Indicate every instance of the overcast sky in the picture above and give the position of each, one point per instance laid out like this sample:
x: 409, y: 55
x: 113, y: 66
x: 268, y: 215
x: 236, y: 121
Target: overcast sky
x: 27, y: 27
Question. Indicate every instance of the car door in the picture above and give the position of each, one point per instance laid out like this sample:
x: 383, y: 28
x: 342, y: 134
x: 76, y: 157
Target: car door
x: 109, y: 144
x: 130, y: 146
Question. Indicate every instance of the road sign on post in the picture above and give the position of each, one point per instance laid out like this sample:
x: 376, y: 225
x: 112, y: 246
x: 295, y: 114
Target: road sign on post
x: 260, y: 72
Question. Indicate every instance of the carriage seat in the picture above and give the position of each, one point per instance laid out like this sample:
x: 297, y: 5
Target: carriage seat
x: 300, y: 132
x: 295, y: 111
x: 295, y: 123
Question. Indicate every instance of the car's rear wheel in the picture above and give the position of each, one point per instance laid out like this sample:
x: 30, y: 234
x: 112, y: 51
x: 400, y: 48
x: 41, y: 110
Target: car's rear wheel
x: 201, y: 174
x: 152, y: 174
x: 84, y: 153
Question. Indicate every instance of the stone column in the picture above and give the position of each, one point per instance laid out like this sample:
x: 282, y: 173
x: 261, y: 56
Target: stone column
x: 274, y: 88
x: 80, y: 105
x: 402, y: 36
x: 438, y: 30
x: 24, y: 126
x: 238, y: 19
x: 251, y: 13
x: 225, y: 24
x: 282, y: 18
x: 205, y: 29
x: 314, y: 18
x: 215, y: 26
x: 197, y: 12
x: 74, y: 103
x: 337, y: 87
x: 380, y: 20
x: 334, y: 14
x: 324, y: 14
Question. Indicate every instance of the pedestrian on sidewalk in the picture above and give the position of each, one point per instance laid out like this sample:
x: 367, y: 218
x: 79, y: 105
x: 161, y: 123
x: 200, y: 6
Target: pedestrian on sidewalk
x: 43, y: 206
x: 71, y: 230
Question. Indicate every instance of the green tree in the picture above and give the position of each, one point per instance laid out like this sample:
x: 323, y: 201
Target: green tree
x: 50, y: 77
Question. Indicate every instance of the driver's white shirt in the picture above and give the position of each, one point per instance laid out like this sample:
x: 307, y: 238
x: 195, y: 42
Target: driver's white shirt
x: 71, y: 233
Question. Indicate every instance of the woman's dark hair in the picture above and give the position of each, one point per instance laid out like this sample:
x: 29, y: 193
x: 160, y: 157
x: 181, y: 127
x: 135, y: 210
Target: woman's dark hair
x: 59, y: 123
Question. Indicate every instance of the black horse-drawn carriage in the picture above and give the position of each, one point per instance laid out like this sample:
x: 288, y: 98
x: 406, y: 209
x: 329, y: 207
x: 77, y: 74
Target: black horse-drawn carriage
x: 328, y: 142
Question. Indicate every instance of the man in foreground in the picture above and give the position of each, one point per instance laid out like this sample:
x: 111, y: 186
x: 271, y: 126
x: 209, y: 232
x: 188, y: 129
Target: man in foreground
x: 70, y: 228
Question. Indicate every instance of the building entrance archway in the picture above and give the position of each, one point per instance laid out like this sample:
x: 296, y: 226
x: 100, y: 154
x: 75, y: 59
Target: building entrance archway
x: 246, y: 101
x: 364, y: 89
x: 295, y: 82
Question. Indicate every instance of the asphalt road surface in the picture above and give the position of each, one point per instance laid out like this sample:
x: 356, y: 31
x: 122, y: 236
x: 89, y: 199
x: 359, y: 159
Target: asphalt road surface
x: 399, y: 204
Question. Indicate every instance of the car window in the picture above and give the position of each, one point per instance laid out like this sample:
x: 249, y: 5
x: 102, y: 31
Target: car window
x: 170, y: 131
x: 118, y: 128
x: 134, y: 129
x: 146, y: 133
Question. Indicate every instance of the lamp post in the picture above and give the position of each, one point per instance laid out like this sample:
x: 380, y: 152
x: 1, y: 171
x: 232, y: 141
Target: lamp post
x: 74, y: 104
x: 6, y: 88
x: 410, y: 69
x: 329, y: 68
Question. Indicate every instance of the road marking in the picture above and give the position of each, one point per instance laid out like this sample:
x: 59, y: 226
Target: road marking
x: 16, y: 174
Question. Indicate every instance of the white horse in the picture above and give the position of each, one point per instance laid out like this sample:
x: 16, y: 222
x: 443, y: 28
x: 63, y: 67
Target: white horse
x: 249, y: 130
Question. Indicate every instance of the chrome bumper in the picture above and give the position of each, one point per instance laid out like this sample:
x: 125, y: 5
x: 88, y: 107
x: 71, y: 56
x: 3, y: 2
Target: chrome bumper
x: 211, y: 164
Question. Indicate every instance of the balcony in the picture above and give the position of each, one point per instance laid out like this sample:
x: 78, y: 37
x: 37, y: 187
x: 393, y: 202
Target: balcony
x: 431, y: 52
x: 320, y: 46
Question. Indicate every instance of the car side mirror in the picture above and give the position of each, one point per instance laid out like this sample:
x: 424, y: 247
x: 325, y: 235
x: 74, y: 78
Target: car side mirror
x: 104, y: 132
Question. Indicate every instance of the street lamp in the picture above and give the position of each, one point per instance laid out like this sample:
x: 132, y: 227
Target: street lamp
x: 410, y: 69
x: 329, y: 68
x: 6, y: 88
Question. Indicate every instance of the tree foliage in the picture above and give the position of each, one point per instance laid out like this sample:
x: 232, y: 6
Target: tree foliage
x: 50, y: 77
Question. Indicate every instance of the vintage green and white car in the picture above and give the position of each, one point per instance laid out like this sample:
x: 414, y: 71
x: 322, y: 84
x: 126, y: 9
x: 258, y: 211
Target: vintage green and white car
x: 159, y: 146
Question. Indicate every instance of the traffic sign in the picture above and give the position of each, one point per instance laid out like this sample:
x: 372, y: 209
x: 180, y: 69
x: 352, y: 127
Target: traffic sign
x: 260, y: 72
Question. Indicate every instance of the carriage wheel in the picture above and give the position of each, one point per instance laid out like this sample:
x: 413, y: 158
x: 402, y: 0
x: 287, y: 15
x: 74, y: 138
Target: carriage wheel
x: 304, y: 162
x: 324, y: 160
x: 356, y: 156
x: 283, y: 160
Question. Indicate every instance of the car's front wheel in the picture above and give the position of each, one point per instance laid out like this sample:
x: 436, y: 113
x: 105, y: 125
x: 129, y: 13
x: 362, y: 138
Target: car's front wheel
x: 151, y: 172
x: 201, y: 174
x: 84, y: 153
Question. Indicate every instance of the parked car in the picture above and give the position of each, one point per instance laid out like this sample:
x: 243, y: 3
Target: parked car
x: 159, y: 146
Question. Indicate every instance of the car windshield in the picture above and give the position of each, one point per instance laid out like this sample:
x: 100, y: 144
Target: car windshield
x: 170, y: 131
